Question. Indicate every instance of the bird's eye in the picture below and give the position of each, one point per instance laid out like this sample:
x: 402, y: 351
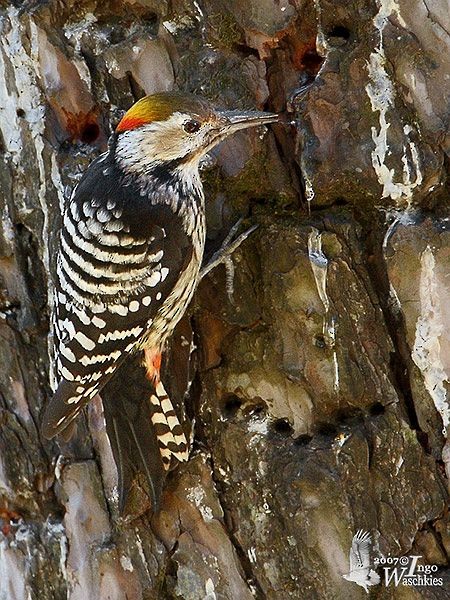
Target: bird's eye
x: 191, y: 126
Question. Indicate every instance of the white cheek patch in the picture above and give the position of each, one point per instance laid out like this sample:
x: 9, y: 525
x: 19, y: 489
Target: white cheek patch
x: 159, y: 141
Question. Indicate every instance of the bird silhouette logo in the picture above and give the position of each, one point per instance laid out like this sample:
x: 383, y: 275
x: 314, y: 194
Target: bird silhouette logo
x: 361, y: 571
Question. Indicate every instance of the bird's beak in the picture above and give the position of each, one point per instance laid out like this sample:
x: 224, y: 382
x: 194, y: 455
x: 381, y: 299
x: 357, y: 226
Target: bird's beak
x: 230, y: 121
x: 237, y: 119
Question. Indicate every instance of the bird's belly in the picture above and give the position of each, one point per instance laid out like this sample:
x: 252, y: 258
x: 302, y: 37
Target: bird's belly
x: 173, y: 308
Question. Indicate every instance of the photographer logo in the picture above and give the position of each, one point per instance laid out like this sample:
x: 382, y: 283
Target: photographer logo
x: 407, y: 571
x: 397, y: 571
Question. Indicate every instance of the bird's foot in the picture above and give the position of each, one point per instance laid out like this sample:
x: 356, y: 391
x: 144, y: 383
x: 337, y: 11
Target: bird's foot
x: 224, y: 253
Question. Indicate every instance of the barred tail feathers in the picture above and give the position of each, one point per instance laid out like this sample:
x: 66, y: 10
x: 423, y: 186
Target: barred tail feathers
x: 64, y: 406
x: 171, y: 438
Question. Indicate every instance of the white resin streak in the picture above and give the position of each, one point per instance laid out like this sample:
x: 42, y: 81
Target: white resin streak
x: 319, y: 267
x: 381, y: 93
x: 426, y: 353
x: 57, y: 531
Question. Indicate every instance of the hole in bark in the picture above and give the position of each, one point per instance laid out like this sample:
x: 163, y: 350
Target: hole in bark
x: 246, y: 50
x: 282, y: 426
x: 326, y: 429
x: 303, y: 440
x: 305, y: 57
x: 150, y: 17
x: 20, y: 112
x: 319, y: 341
x: 231, y: 405
x: 311, y: 61
x: 90, y: 133
x: 340, y: 202
x: 82, y: 126
x: 339, y: 31
x: 347, y: 415
x: 377, y: 409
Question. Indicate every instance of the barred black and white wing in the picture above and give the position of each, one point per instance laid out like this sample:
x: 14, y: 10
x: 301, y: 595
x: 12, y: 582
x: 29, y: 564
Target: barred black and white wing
x: 120, y: 258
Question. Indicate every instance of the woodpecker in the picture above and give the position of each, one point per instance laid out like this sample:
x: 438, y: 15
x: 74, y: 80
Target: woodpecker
x: 130, y: 254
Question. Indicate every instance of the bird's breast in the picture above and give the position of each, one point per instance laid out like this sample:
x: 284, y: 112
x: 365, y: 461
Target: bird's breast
x: 176, y: 303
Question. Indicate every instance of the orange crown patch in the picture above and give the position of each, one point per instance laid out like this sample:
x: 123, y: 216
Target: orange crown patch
x: 159, y: 107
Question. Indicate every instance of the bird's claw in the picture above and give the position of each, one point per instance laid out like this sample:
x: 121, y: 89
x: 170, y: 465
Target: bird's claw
x: 223, y: 254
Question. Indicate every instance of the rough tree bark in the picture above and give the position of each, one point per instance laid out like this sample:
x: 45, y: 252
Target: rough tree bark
x: 321, y: 392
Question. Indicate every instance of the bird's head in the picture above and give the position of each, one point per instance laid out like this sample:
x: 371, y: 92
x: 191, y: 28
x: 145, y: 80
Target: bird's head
x: 177, y: 129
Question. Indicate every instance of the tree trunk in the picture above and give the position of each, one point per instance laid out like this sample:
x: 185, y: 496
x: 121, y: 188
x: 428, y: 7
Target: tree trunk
x: 320, y: 384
